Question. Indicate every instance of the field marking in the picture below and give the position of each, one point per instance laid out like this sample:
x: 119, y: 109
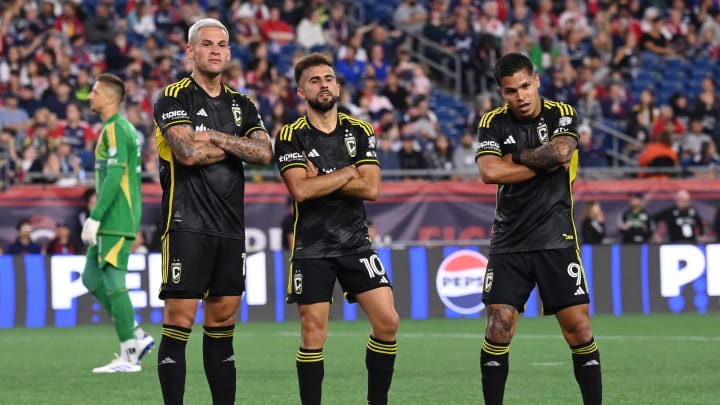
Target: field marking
x: 549, y: 364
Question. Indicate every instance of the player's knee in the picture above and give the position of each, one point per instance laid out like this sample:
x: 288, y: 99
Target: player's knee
x: 90, y: 282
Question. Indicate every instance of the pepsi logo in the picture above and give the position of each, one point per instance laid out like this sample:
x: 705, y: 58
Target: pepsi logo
x: 459, y: 281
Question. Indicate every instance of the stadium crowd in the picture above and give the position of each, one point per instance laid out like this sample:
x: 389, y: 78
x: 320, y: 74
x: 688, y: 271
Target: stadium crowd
x: 636, y: 67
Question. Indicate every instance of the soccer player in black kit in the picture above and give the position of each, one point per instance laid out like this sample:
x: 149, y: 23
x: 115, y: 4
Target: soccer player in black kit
x: 205, y: 131
x: 329, y: 164
x: 528, y: 147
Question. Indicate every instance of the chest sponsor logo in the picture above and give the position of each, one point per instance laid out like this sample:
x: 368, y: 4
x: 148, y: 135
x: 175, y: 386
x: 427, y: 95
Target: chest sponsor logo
x: 460, y: 281
x: 288, y: 157
x: 170, y: 115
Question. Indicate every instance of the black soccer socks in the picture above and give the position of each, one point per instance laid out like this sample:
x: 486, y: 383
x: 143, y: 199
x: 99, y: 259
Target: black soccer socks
x: 380, y: 363
x: 494, y: 368
x: 219, y: 362
x: 311, y: 370
x: 171, y: 363
x: 586, y: 364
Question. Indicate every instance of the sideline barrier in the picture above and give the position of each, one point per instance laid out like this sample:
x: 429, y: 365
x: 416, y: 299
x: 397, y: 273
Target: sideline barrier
x: 38, y: 291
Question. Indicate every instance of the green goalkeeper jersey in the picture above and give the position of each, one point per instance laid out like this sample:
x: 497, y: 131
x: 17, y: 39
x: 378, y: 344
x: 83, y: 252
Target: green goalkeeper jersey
x: 118, y: 178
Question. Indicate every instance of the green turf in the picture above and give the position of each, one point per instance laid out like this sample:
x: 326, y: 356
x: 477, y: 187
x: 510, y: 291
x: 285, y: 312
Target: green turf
x: 658, y: 359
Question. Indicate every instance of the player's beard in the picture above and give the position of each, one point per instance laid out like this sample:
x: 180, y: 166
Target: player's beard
x: 322, y: 106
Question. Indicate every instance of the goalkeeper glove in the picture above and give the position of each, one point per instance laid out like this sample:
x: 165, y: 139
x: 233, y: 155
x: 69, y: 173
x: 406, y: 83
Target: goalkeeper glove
x: 89, y: 232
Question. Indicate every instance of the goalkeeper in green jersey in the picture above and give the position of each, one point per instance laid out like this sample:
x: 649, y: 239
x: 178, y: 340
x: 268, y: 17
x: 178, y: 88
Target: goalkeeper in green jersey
x: 114, y: 222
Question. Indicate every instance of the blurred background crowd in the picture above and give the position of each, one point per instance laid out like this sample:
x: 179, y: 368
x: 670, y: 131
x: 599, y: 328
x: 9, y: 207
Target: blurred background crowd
x: 640, y: 73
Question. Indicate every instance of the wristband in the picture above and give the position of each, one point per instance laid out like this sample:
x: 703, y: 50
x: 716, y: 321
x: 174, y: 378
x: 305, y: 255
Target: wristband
x: 516, y: 157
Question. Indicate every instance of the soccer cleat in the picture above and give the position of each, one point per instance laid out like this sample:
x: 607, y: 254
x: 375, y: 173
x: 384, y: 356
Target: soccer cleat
x: 143, y: 346
x: 118, y: 365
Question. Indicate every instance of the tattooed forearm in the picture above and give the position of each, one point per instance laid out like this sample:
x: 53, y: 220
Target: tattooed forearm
x: 255, y: 148
x: 556, y: 152
x: 191, y: 148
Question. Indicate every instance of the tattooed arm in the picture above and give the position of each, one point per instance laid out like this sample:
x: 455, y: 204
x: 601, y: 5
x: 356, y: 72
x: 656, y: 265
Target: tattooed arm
x: 555, y: 153
x: 192, y: 148
x: 254, y: 148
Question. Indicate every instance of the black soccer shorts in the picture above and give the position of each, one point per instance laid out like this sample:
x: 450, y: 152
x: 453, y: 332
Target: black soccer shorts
x: 197, y: 266
x: 558, y: 273
x: 312, y: 280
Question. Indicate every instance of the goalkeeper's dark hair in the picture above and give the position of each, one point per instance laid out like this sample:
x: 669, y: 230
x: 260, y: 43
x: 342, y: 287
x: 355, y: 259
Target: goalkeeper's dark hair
x: 311, y: 60
x: 113, y: 82
x: 512, y: 63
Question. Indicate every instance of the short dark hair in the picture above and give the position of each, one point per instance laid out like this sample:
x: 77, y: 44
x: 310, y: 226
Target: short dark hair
x: 311, y: 60
x: 512, y: 63
x: 114, y: 82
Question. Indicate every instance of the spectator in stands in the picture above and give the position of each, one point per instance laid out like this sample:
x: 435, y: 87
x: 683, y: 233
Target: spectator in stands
x: 659, y: 154
x: 635, y: 223
x: 371, y: 100
x: 41, y: 140
x: 667, y: 121
x: 708, y: 107
x: 27, y: 100
x: 434, y: 30
x: 708, y: 158
x: 350, y: 70
x: 520, y: 13
x: 356, y: 41
x: 543, y: 53
x: 8, y: 157
x: 692, y: 141
x: 389, y: 157
x: 589, y: 154
x: 410, y: 16
x: 245, y: 30
x: 654, y: 41
x: 558, y: 86
x: 589, y: 106
x: 140, y: 20
x: 486, y: 52
x: 62, y: 244
x: 440, y: 157
x: 682, y: 222
x: 276, y: 32
x: 643, y: 117
x: 101, y: 27
x: 69, y: 23
x: 309, y: 32
x: 379, y: 64
x: 616, y: 105
x: 592, y: 223
x: 464, y: 156
x: 24, y: 244
x: 32, y: 165
x: 58, y: 102
x: 679, y: 103
x: 397, y: 94
x: 627, y: 54
x: 337, y: 28
x: 460, y: 40
x: 13, y: 117
x: 702, y: 47
x: 74, y: 130
x: 64, y: 162
x: 410, y: 156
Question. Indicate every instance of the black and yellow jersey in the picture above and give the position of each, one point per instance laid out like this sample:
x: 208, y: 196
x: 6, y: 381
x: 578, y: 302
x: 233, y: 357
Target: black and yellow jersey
x: 536, y: 214
x: 206, y: 199
x: 333, y: 225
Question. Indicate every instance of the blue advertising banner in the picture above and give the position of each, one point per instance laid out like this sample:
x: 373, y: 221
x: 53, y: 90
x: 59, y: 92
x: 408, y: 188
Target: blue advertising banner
x: 440, y: 282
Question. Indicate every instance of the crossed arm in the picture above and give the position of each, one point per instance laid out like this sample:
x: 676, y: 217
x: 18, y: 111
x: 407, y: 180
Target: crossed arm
x: 549, y: 157
x: 206, y: 147
x: 356, y: 182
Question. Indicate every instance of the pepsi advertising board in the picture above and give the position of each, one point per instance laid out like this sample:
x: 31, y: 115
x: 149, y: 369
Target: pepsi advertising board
x: 38, y: 291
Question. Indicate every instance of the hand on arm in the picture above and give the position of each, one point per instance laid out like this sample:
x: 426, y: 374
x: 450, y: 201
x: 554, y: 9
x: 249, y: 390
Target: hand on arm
x: 496, y: 170
x: 366, y: 186
x: 306, y: 184
x: 192, y: 148
x: 254, y: 148
x: 550, y: 156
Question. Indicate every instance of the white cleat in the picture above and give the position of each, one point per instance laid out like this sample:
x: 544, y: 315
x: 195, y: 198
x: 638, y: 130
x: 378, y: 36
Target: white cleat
x: 118, y: 365
x: 144, y: 346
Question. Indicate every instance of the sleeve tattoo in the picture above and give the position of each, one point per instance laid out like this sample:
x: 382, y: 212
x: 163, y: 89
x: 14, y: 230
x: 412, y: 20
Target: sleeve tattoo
x: 254, y: 148
x: 556, y: 152
x: 189, y: 149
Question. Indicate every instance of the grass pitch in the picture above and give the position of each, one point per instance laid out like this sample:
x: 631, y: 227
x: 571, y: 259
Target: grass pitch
x: 656, y: 359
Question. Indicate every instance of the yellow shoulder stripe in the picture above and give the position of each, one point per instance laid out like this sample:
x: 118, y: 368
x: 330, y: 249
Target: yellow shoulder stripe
x: 172, y: 90
x: 488, y: 116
